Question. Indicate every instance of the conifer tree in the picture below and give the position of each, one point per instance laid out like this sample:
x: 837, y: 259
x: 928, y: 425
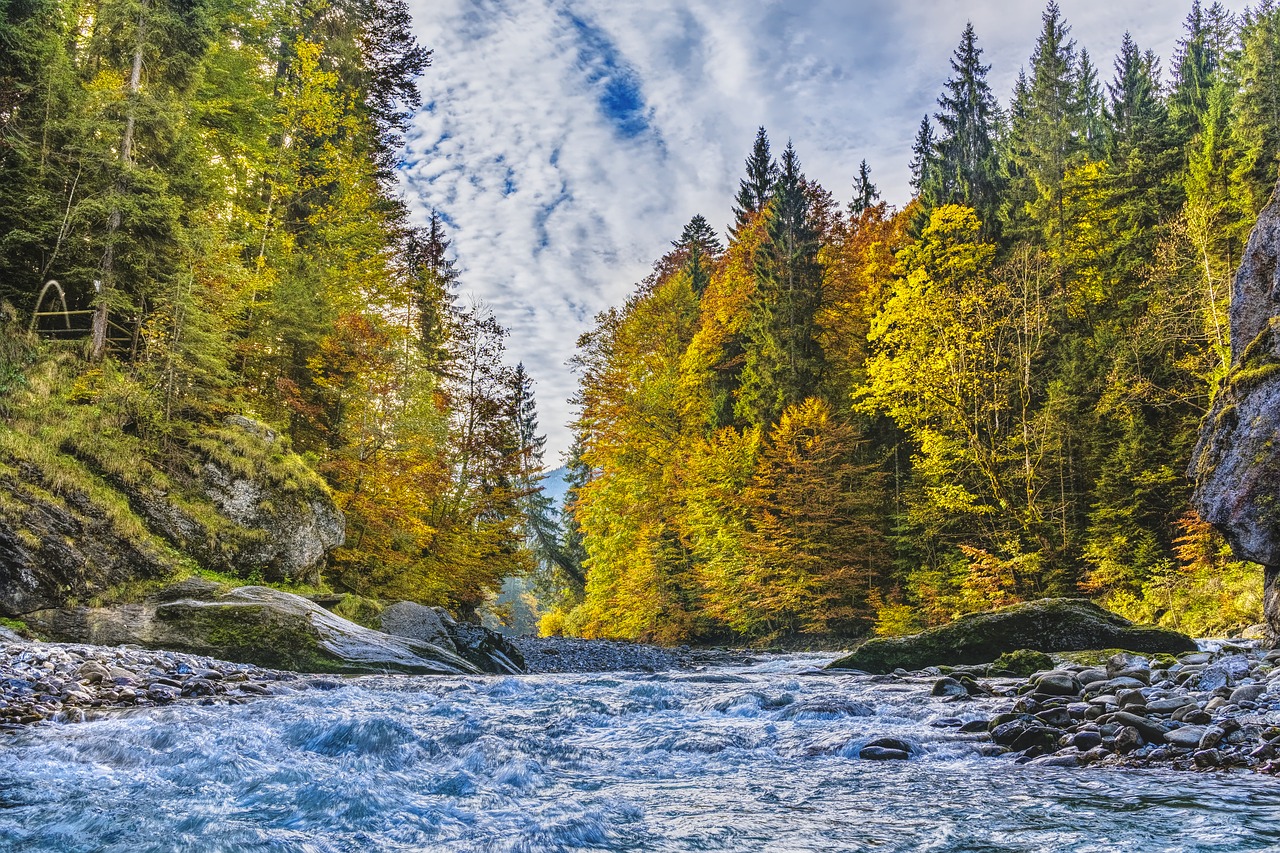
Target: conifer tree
x: 923, y: 157
x: 755, y: 190
x: 1093, y: 123
x: 966, y: 168
x: 702, y: 248
x: 865, y: 193
x: 783, y: 360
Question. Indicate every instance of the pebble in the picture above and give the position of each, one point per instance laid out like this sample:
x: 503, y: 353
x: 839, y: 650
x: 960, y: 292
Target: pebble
x: 70, y: 683
x: 1210, y: 710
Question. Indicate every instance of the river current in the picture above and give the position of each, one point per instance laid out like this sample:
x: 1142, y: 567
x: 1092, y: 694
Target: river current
x: 758, y: 758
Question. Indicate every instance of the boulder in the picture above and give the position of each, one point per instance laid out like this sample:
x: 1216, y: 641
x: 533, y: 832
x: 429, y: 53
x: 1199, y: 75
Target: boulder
x: 251, y: 624
x: 274, y: 517
x: 1049, y: 625
x: 486, y: 649
x: 1236, y: 463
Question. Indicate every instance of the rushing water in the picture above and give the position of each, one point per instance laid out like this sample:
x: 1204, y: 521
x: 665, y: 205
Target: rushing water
x: 755, y: 758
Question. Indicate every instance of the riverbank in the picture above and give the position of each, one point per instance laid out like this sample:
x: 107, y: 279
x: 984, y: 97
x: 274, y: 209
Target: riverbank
x: 567, y: 654
x: 73, y: 683
x: 1200, y: 711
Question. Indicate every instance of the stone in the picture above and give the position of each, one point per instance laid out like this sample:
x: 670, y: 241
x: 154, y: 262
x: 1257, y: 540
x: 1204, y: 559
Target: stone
x: 1085, y: 741
x: 1151, y: 731
x: 880, y: 753
x: 1057, y: 684
x: 1069, y: 760
x: 1211, y: 737
x: 1021, y: 663
x: 1167, y: 705
x: 1207, y: 758
x: 1042, y: 738
x: 428, y: 624
x: 1185, y: 737
x: 1247, y: 693
x: 1047, y: 625
x: 909, y: 747
x: 255, y: 625
x: 1236, y: 463
x: 1127, y: 740
x: 948, y: 687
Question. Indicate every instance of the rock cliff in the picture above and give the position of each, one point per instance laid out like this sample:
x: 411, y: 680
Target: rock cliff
x: 70, y: 530
x: 1236, y: 464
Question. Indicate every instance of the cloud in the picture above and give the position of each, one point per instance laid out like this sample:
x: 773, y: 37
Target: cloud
x: 568, y: 141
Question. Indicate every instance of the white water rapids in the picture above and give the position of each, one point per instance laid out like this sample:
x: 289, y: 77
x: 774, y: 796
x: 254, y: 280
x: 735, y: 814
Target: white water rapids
x: 748, y: 758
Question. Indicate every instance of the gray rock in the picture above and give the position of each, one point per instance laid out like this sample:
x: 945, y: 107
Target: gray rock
x: 1057, y: 684
x: 1211, y: 737
x: 1236, y: 463
x: 880, y: 753
x: 1185, y: 737
x: 909, y: 747
x: 1128, y: 739
x: 254, y: 625
x: 1247, y: 693
x: 428, y: 624
x: 1151, y: 731
x: 948, y: 687
x: 1167, y: 706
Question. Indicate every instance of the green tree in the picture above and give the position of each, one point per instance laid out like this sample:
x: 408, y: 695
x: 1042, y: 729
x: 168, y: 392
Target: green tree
x: 783, y: 360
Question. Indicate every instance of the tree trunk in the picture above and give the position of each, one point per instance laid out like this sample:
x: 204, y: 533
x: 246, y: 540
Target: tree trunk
x: 114, y: 221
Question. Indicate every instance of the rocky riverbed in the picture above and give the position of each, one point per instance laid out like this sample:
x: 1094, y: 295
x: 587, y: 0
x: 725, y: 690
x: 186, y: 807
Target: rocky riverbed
x: 1200, y: 711
x: 72, y: 683
x: 566, y: 654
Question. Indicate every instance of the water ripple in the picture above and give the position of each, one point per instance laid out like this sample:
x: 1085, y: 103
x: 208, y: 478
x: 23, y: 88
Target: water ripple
x: 757, y: 758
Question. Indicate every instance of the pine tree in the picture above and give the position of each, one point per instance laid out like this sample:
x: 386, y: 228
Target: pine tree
x: 1257, y: 107
x: 702, y: 249
x: 783, y: 361
x: 923, y: 157
x: 1093, y: 120
x: 755, y: 190
x: 865, y: 193
x: 966, y: 168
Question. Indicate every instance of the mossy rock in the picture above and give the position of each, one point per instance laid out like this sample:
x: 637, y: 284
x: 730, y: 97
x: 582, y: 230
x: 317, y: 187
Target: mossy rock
x: 1049, y: 625
x: 251, y: 624
x: 1021, y: 663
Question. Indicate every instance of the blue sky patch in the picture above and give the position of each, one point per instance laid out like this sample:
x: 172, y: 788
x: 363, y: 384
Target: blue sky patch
x: 617, y: 85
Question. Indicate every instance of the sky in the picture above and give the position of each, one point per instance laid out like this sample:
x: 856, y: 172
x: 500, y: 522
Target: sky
x: 567, y: 142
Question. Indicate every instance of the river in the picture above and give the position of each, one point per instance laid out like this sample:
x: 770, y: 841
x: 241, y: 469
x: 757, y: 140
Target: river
x: 751, y: 758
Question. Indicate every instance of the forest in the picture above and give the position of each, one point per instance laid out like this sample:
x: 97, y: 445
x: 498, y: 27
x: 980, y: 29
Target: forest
x: 847, y: 418
x: 211, y: 183
x: 840, y: 418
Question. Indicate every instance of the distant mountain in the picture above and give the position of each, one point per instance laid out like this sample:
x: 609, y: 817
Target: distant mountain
x: 555, y: 486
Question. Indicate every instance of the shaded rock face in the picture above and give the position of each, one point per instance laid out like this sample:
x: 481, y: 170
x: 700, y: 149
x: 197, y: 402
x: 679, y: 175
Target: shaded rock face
x: 58, y: 544
x: 1236, y: 463
x: 488, y: 650
x: 54, y: 548
x: 252, y: 624
x: 285, y: 535
x: 1050, y: 625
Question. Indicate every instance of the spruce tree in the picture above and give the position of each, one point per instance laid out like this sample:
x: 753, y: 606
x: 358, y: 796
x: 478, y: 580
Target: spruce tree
x: 923, y: 157
x: 967, y: 172
x: 756, y: 188
x: 783, y: 361
x: 1093, y: 120
x: 702, y: 247
x: 865, y: 193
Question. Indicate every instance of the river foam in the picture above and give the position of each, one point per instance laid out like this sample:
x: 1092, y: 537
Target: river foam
x: 747, y: 758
